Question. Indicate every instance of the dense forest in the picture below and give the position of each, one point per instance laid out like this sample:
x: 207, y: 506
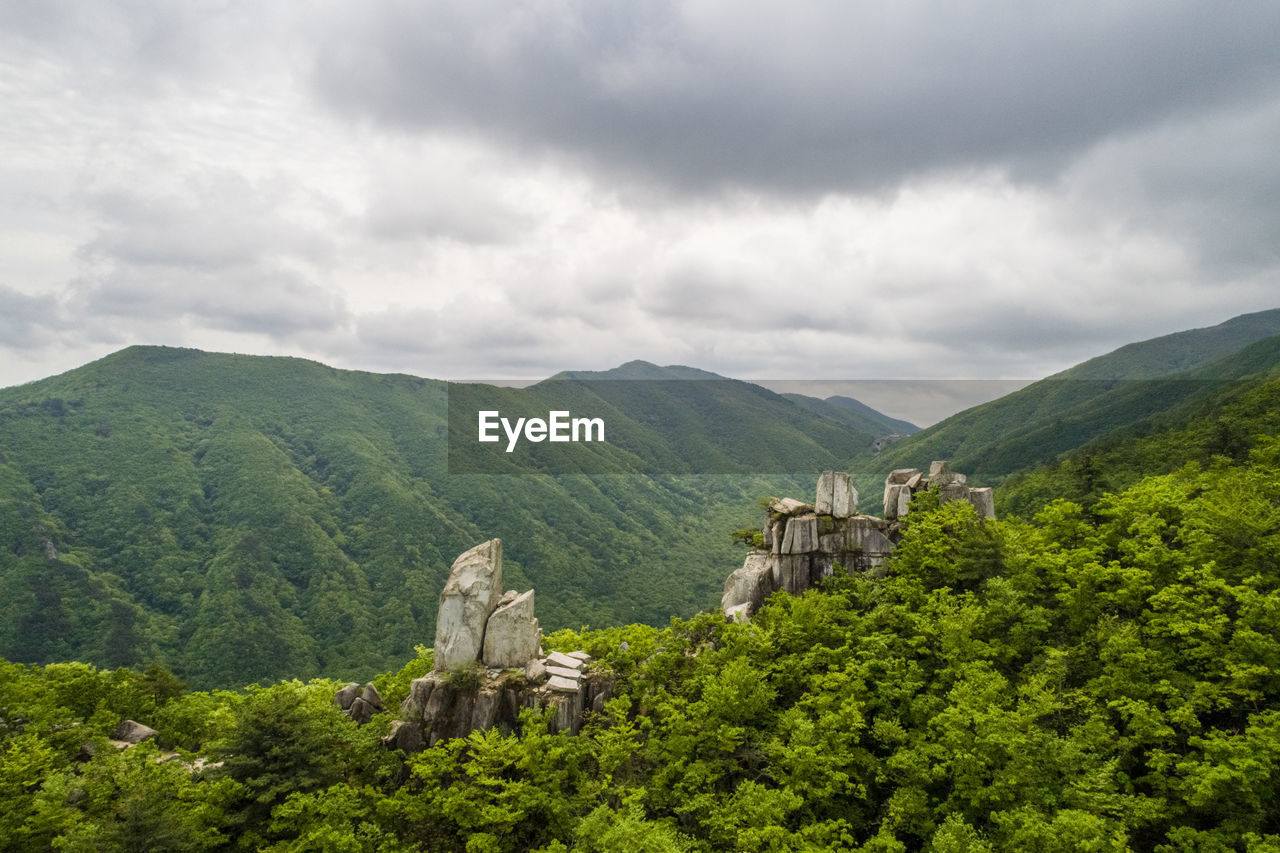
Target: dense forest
x: 242, y: 518
x: 1099, y: 669
x: 1101, y: 676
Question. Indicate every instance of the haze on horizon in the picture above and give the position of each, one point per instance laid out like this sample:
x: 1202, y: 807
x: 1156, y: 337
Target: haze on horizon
x: 798, y: 191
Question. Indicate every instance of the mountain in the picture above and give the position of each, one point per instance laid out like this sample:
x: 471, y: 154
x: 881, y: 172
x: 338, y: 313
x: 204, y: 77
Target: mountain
x: 1180, y: 351
x: 1224, y: 424
x: 242, y: 518
x: 1034, y: 425
x: 855, y: 414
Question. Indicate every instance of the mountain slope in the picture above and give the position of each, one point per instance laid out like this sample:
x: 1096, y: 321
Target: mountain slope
x: 1035, y: 424
x: 854, y: 414
x: 241, y: 518
x: 1179, y: 351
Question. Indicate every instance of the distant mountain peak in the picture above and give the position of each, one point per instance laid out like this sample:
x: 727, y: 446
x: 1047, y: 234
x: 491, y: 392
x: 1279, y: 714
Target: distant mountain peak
x: 640, y: 369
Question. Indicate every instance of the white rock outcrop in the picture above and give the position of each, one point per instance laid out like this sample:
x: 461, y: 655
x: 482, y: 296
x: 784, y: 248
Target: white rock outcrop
x: 750, y: 585
x: 836, y: 495
x: 951, y: 486
x: 802, y: 543
x: 468, y: 599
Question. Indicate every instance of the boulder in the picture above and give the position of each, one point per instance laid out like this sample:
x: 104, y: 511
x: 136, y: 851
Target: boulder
x: 826, y: 484
x: 749, y: 585
x: 345, y: 696
x: 984, y: 501
x: 802, y: 534
x: 130, y: 732
x: 901, y: 476
x: 371, y: 695
x: 534, y: 671
x: 836, y: 495
x: 563, y: 685
x: 512, y: 636
x: 469, y: 597
x: 953, y: 492
x: 893, y: 493
x: 364, y: 706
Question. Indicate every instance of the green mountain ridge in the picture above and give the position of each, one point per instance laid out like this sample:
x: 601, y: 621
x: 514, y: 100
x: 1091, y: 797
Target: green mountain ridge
x: 854, y: 414
x: 1034, y: 425
x: 241, y: 518
x: 1096, y: 673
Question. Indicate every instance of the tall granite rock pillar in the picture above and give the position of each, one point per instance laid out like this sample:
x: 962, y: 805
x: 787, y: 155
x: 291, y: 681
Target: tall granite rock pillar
x: 469, y: 597
x: 836, y: 495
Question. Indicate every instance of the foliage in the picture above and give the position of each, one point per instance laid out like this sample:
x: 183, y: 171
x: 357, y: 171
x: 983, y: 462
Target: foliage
x: 1102, y: 679
x: 1099, y: 675
x: 241, y: 519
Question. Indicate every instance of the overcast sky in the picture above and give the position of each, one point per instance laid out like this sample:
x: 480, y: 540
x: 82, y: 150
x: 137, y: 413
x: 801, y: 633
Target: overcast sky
x: 799, y: 190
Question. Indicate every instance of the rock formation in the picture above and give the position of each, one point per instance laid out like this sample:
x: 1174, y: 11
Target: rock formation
x: 488, y: 657
x: 903, y: 483
x: 470, y: 595
x: 439, y: 706
x: 488, y: 665
x: 802, y: 542
x: 360, y: 703
x: 836, y: 495
x: 130, y: 732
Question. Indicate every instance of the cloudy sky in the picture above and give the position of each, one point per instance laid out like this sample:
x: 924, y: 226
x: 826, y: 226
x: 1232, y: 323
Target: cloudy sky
x: 795, y: 190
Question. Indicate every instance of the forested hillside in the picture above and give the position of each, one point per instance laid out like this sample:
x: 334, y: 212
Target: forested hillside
x: 1220, y: 425
x: 1114, y: 392
x: 1084, y: 680
x: 856, y: 414
x: 240, y: 518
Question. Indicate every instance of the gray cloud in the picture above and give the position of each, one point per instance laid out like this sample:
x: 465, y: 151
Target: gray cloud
x: 206, y: 222
x: 485, y: 188
x: 412, y: 200
x: 274, y: 302
x: 806, y: 96
x: 210, y: 251
x: 28, y: 322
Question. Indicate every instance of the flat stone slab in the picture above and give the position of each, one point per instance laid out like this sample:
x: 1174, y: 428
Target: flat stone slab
x: 790, y: 506
x: 561, y: 659
x: 564, y: 672
x: 563, y: 685
x: 580, y: 655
